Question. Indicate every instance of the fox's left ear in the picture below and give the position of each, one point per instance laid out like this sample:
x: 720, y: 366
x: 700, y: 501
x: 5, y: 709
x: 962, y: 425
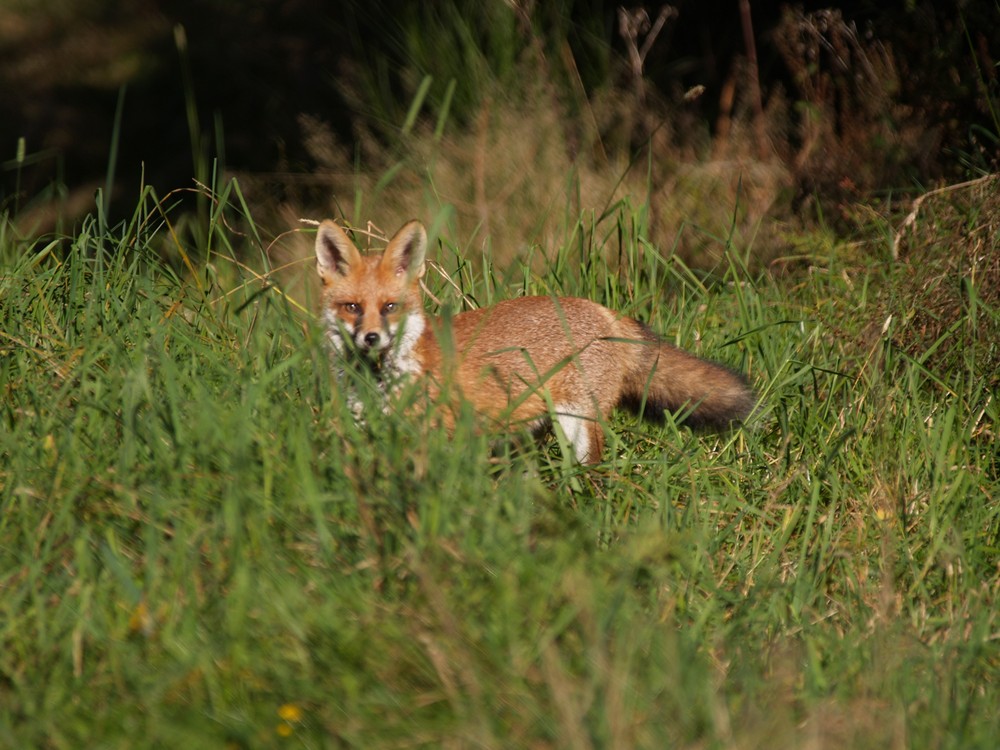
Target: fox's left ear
x: 406, y: 250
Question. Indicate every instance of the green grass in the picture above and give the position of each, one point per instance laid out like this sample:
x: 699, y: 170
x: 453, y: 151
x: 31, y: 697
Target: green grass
x: 199, y: 549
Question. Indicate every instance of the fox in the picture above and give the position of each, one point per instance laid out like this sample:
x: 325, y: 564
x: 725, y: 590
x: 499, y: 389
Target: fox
x: 528, y: 360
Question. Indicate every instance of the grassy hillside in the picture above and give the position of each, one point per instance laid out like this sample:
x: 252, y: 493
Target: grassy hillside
x: 199, y: 549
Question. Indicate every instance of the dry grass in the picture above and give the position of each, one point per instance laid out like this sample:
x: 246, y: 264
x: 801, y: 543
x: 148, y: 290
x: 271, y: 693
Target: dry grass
x: 531, y: 162
x: 519, y: 180
x: 852, y: 134
x: 947, y: 290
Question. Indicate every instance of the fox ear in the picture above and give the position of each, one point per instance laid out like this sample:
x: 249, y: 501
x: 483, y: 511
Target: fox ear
x: 406, y: 250
x: 335, y: 253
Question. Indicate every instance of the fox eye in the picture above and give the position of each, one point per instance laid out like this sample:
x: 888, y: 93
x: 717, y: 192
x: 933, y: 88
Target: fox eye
x: 389, y: 307
x: 352, y: 308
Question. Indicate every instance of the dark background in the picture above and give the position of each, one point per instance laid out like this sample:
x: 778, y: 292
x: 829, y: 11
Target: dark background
x: 253, y: 67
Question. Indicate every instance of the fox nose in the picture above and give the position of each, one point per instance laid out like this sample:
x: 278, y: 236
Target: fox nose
x: 371, y: 339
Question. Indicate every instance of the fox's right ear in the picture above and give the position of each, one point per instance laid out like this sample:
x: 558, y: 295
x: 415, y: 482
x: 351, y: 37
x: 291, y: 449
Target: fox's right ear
x: 335, y: 253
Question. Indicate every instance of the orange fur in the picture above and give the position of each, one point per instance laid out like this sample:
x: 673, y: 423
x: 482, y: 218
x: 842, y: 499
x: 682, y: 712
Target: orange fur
x: 526, y: 360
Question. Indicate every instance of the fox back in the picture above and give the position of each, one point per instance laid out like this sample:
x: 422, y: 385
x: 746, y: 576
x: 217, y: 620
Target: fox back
x: 527, y: 361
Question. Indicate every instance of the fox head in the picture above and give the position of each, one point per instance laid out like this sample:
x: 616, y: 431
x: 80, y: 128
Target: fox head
x: 372, y: 304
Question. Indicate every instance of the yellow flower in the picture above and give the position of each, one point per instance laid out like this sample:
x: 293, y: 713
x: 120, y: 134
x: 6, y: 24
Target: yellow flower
x: 290, y: 712
x: 284, y: 730
x: 141, y: 620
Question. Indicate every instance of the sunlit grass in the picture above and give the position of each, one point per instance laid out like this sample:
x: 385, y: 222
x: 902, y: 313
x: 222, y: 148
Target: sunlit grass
x: 198, y: 546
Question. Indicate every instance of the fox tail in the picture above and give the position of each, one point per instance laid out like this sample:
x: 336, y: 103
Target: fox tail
x: 702, y: 393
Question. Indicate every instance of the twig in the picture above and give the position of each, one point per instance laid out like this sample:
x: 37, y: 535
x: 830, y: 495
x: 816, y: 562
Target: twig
x: 632, y: 24
x: 911, y: 217
x: 758, y: 103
